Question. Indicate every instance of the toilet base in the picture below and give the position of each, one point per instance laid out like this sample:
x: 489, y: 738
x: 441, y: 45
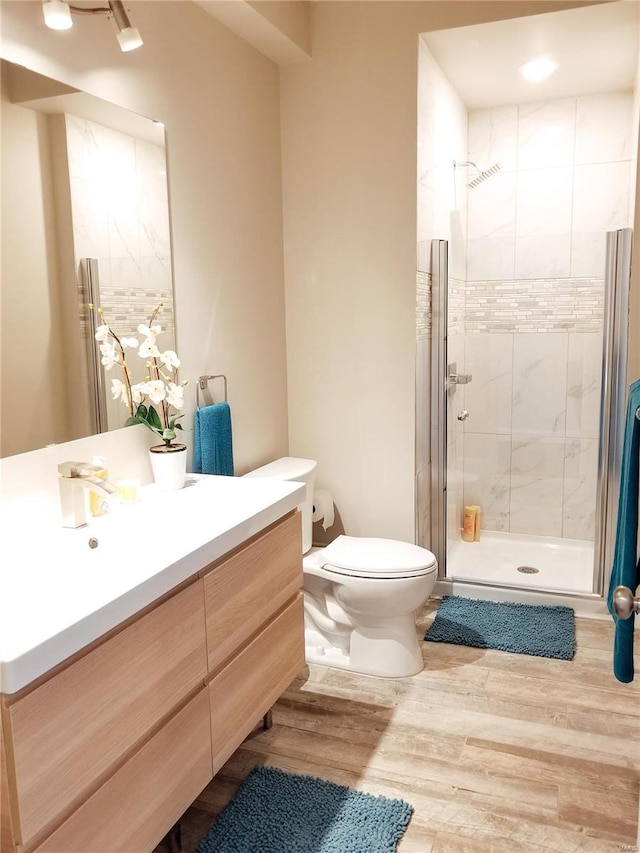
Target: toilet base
x: 391, y: 650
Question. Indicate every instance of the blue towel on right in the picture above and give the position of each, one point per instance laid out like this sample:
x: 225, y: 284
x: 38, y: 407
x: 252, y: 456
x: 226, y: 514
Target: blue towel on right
x: 213, y: 443
x: 626, y: 568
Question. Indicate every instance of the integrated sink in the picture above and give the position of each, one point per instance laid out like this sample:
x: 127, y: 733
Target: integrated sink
x: 63, y: 588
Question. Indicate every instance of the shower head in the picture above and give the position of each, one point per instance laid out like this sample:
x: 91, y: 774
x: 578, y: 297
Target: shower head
x: 482, y: 175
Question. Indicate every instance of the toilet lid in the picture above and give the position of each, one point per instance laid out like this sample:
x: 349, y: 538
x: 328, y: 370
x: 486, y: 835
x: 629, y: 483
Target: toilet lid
x: 379, y: 558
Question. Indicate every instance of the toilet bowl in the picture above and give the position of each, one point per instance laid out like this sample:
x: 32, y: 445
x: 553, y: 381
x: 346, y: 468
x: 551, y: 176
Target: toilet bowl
x: 360, y: 593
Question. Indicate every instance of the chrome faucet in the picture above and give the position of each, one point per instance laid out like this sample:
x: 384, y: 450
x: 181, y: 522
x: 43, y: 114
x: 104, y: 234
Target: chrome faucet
x: 74, y: 478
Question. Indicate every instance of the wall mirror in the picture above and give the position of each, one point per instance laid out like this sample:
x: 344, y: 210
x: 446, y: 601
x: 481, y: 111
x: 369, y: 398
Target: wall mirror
x: 85, y: 219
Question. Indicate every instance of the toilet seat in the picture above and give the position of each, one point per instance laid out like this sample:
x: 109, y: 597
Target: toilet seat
x: 366, y: 557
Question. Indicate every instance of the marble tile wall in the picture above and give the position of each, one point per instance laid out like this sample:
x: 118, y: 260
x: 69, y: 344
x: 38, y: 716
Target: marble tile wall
x: 530, y: 443
x: 565, y: 180
x: 533, y: 306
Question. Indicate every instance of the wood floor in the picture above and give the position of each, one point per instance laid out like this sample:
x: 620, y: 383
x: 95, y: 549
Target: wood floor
x: 495, y: 751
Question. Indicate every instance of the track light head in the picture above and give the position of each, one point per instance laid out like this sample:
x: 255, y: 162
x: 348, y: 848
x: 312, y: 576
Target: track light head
x: 128, y: 36
x: 57, y: 16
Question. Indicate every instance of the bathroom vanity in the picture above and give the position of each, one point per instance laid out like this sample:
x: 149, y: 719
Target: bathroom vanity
x: 148, y: 679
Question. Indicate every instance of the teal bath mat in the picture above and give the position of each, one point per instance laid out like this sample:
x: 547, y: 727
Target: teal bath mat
x: 278, y: 812
x: 526, y: 629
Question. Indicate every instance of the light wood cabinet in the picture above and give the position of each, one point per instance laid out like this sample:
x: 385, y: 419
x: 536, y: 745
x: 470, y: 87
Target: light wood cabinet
x: 110, y: 750
x: 147, y: 793
x: 69, y: 732
x: 252, y: 681
x: 249, y: 587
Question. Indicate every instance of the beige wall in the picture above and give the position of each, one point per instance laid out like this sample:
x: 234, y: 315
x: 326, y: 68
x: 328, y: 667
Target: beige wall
x: 349, y: 165
x: 219, y: 100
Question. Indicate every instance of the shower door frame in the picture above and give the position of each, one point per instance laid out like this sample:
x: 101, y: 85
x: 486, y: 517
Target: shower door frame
x: 439, y: 429
x: 90, y: 281
x: 612, y: 403
x: 613, y: 396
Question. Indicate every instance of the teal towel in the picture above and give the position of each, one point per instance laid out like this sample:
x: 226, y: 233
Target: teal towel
x: 626, y: 568
x: 213, y: 444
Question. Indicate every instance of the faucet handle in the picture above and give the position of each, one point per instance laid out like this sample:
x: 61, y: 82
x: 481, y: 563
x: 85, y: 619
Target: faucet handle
x: 78, y: 469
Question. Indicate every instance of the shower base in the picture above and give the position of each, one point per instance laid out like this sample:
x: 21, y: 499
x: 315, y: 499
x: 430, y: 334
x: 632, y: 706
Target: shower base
x: 564, y: 565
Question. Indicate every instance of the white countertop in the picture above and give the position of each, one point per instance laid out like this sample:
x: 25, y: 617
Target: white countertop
x: 57, y: 594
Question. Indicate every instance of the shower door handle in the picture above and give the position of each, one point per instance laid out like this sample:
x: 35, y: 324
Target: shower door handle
x: 460, y: 378
x: 625, y: 602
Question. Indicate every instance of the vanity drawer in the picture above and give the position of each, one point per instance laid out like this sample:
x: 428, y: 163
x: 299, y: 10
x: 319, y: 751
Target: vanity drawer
x: 244, y: 690
x: 141, y: 801
x: 244, y: 591
x: 69, y: 732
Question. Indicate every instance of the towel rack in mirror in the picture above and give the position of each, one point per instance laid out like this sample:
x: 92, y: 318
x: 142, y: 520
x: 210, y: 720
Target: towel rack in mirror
x: 202, y: 384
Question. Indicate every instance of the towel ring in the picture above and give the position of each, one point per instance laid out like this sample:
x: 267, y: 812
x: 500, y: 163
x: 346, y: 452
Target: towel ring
x: 202, y: 384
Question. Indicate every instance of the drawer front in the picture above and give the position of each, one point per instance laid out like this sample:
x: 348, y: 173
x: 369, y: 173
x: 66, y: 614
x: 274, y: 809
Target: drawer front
x: 69, y: 731
x: 243, y: 692
x: 138, y: 805
x: 243, y: 592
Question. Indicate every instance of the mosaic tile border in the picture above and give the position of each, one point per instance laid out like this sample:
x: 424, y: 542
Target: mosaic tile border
x: 535, y: 305
x: 457, y: 306
x: 423, y: 305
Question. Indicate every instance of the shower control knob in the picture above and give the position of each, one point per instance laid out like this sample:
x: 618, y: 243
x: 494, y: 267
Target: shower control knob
x: 463, y: 415
x: 624, y: 602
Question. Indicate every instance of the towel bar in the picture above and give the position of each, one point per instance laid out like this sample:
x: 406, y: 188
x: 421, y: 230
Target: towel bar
x: 202, y: 384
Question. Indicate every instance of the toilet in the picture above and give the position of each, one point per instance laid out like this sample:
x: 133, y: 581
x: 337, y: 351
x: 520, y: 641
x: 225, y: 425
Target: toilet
x: 360, y: 593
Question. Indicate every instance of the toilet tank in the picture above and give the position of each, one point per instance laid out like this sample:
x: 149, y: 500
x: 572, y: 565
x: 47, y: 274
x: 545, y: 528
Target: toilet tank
x: 299, y: 470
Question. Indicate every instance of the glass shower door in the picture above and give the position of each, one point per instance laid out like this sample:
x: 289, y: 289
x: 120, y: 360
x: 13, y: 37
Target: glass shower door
x: 546, y: 488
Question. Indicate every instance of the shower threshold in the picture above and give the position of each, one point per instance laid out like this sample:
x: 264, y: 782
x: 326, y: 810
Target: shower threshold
x: 565, y: 565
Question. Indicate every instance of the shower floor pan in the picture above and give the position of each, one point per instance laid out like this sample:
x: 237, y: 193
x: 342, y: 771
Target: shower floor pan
x: 565, y: 565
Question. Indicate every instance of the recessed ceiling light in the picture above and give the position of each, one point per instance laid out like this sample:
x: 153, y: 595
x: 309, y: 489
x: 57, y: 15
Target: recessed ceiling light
x: 538, y: 69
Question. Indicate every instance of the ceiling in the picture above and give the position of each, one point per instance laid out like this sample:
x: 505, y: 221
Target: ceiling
x: 597, y: 48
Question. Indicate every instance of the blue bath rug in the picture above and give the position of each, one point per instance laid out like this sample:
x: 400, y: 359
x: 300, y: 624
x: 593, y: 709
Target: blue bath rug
x: 526, y: 629
x: 278, y: 812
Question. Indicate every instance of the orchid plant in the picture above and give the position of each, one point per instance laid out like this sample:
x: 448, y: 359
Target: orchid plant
x: 160, y: 387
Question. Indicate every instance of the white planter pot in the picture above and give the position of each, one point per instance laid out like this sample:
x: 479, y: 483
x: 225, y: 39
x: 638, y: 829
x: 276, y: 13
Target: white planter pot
x: 169, y: 466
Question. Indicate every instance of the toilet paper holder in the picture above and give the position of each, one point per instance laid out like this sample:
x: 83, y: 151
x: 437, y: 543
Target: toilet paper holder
x: 323, y: 508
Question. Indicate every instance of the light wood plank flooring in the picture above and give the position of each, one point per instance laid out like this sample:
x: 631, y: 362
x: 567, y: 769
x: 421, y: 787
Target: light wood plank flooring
x: 495, y: 751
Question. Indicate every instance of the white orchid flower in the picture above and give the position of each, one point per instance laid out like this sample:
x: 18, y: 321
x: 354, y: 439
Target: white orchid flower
x: 138, y: 391
x: 119, y: 391
x: 155, y: 390
x: 129, y: 342
x: 148, y: 349
x: 102, y: 333
x: 175, y: 395
x: 170, y: 359
x: 149, y: 331
x: 109, y: 355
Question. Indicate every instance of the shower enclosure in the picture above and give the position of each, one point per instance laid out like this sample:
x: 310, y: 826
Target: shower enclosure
x: 507, y: 552
x: 521, y: 331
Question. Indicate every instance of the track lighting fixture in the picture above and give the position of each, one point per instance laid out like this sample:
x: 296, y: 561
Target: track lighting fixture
x: 57, y: 16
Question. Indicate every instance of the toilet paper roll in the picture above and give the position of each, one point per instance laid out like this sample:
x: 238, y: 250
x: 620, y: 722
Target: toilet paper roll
x: 323, y: 508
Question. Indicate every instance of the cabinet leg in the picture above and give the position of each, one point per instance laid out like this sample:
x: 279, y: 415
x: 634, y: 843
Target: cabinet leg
x: 267, y: 720
x: 172, y: 842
